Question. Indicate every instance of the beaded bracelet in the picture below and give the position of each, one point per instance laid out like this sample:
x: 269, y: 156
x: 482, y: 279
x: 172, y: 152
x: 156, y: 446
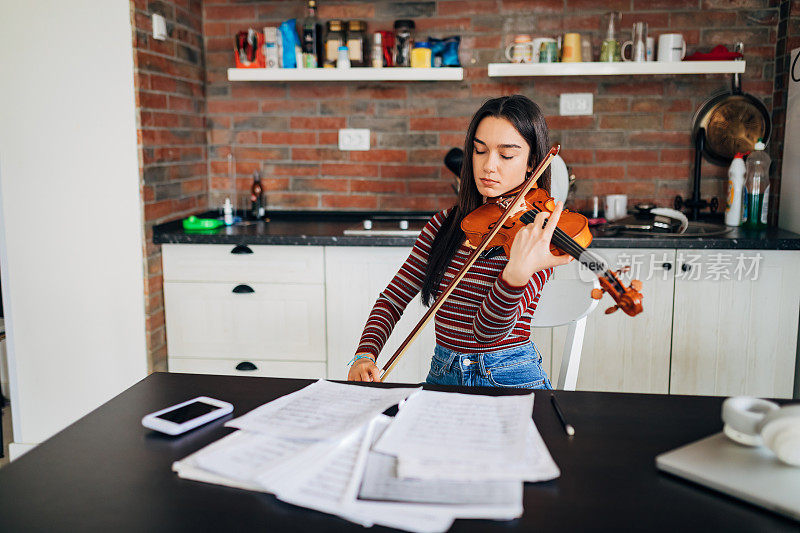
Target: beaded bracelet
x: 360, y: 356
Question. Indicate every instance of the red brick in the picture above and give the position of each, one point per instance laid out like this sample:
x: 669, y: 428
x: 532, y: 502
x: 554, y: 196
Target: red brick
x: 600, y: 172
x: 378, y: 93
x: 630, y: 122
x: 662, y: 171
x: 349, y: 202
x: 385, y: 186
x: 218, y: 29
x: 289, y: 137
x: 539, y: 6
x: 557, y: 86
x: 258, y: 153
x: 465, y: 7
x: 452, y: 139
x: 349, y: 169
x: 437, y: 24
x: 430, y: 187
x: 620, y: 156
x: 288, y: 107
x: 243, y: 137
x: 318, y: 154
x: 639, y: 87
x: 439, y: 124
x: 317, y: 90
x: 242, y: 89
x: 232, y: 106
x: 679, y: 105
x: 593, y: 5
x: 433, y: 155
x: 215, y: 13
x: 194, y: 186
x: 703, y: 19
x: 295, y: 170
x: 416, y: 203
x: 380, y: 156
x: 291, y: 200
x: 152, y: 100
x: 318, y: 123
x: 677, y: 156
x: 328, y: 138
x: 410, y: 171
x: 572, y: 156
x: 647, y: 105
x: 647, y: 5
x: 178, y: 103
x: 660, y: 139
x: 495, y: 89
x: 320, y: 184
x: 611, y: 104
x: 346, y: 11
x: 569, y: 122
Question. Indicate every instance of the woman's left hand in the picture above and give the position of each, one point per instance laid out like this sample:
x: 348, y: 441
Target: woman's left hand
x: 530, y: 251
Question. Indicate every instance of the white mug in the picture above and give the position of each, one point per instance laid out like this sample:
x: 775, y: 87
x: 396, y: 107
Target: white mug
x: 616, y: 206
x: 537, y: 46
x: 671, y: 47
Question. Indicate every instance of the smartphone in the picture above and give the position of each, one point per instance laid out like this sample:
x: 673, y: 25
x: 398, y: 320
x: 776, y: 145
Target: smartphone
x: 190, y: 414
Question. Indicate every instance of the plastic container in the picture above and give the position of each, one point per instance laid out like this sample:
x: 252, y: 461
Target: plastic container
x: 421, y: 56
x: 756, y: 187
x: 193, y: 223
x: 343, y: 61
x: 735, y: 196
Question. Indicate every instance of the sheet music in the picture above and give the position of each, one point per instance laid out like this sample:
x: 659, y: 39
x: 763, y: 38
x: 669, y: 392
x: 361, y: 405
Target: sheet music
x: 506, y: 504
x: 436, y: 425
x: 537, y: 465
x: 322, y: 410
x: 322, y: 486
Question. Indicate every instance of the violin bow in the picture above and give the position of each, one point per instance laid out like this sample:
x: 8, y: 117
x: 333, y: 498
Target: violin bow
x: 527, y: 186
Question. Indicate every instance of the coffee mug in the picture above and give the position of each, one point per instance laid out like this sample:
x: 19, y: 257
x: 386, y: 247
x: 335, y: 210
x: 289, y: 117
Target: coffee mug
x: 521, y: 50
x: 548, y: 53
x: 616, y: 206
x: 571, y: 51
x: 537, y: 46
x: 671, y: 47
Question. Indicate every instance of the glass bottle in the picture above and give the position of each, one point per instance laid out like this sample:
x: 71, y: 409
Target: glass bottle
x: 404, y: 38
x: 312, y: 38
x: 334, y: 38
x: 357, y: 43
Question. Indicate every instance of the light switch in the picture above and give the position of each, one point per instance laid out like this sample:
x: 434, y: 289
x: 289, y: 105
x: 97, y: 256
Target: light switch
x: 159, y: 27
x: 354, y: 139
x: 576, y: 104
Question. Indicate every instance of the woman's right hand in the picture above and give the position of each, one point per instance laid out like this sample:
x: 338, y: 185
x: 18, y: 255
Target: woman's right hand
x: 364, y: 370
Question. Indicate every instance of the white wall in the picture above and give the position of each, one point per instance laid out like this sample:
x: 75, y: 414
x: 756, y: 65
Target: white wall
x: 70, y: 210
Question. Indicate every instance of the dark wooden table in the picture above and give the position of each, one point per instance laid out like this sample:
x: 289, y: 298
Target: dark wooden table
x: 107, y: 473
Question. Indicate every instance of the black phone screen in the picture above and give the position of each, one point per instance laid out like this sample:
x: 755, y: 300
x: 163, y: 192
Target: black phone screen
x: 188, y: 412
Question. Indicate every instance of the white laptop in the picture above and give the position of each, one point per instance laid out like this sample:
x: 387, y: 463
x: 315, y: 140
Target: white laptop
x: 751, y: 474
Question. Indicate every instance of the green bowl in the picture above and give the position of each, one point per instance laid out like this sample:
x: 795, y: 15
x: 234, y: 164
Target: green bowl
x: 194, y: 224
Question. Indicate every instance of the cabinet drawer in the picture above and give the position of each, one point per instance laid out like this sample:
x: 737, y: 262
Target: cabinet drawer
x: 260, y: 321
x: 275, y: 369
x: 257, y: 263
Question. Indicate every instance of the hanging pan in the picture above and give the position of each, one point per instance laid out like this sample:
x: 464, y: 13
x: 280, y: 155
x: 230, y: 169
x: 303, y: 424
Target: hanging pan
x: 730, y: 122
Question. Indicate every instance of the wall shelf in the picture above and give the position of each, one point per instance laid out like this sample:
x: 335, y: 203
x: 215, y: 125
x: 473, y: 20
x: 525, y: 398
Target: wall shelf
x: 352, y: 74
x: 497, y: 70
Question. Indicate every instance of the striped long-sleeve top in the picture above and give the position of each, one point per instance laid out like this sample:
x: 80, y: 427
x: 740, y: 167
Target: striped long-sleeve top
x: 483, y: 314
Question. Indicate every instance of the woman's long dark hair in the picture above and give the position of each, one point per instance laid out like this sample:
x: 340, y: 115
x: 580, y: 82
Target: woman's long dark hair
x: 528, y: 120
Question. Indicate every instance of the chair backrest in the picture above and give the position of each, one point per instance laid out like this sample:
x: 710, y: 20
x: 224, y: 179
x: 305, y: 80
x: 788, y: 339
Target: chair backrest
x: 567, y: 302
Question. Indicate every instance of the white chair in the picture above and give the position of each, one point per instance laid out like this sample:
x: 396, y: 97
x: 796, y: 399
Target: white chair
x: 567, y: 302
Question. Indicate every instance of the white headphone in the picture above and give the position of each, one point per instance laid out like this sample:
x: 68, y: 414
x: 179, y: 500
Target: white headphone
x: 756, y: 422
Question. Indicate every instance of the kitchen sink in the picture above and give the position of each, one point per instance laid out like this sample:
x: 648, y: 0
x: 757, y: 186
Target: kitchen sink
x: 389, y: 226
x: 694, y: 230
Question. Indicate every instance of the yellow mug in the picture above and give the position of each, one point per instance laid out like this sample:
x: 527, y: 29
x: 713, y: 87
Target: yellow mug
x: 571, y: 50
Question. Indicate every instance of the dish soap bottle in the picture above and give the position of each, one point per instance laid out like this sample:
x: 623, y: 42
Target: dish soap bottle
x: 757, y: 186
x: 733, y: 205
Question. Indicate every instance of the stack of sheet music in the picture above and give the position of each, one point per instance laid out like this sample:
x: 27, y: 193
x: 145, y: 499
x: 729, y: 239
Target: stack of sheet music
x: 328, y: 447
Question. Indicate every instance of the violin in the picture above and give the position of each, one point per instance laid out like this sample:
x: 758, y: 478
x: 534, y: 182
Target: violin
x: 572, y: 236
x: 499, y: 218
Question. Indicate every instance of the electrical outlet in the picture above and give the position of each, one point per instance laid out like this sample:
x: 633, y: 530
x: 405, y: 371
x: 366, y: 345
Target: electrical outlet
x: 159, y: 27
x: 354, y: 139
x: 576, y: 104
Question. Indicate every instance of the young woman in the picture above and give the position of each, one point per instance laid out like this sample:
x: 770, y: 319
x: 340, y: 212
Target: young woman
x: 483, y: 328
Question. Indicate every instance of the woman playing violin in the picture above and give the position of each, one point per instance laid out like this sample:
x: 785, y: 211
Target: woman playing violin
x: 483, y: 328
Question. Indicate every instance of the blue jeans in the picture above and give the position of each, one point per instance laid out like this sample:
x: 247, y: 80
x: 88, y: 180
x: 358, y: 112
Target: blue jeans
x: 518, y: 367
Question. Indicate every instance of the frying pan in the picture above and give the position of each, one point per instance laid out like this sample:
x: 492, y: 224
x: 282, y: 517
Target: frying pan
x: 730, y: 122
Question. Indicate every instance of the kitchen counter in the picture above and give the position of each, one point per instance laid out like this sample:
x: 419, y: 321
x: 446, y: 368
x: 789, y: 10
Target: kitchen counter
x: 314, y: 228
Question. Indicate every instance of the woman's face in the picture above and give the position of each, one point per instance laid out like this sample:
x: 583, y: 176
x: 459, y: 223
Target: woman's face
x: 499, y: 157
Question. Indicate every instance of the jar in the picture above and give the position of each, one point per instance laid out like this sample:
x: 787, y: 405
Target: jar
x: 404, y: 37
x: 344, y: 58
x: 377, y: 50
x: 421, y: 55
x: 334, y: 38
x: 357, y: 42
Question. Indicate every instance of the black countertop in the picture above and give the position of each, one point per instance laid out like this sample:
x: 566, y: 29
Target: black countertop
x: 315, y: 228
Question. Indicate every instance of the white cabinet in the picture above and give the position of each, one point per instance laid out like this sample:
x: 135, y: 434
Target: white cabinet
x: 303, y: 309
x: 354, y: 277
x: 255, y: 310
x: 623, y: 353
x: 735, y: 322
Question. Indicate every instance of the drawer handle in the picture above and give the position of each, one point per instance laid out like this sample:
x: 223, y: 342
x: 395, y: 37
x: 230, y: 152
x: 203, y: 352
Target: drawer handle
x: 685, y: 267
x: 666, y: 266
x: 246, y: 366
x: 243, y: 289
x: 240, y: 249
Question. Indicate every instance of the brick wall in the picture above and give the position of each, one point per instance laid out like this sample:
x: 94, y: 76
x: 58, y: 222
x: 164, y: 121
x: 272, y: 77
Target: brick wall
x: 637, y: 142
x: 788, y: 38
x: 169, y: 77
